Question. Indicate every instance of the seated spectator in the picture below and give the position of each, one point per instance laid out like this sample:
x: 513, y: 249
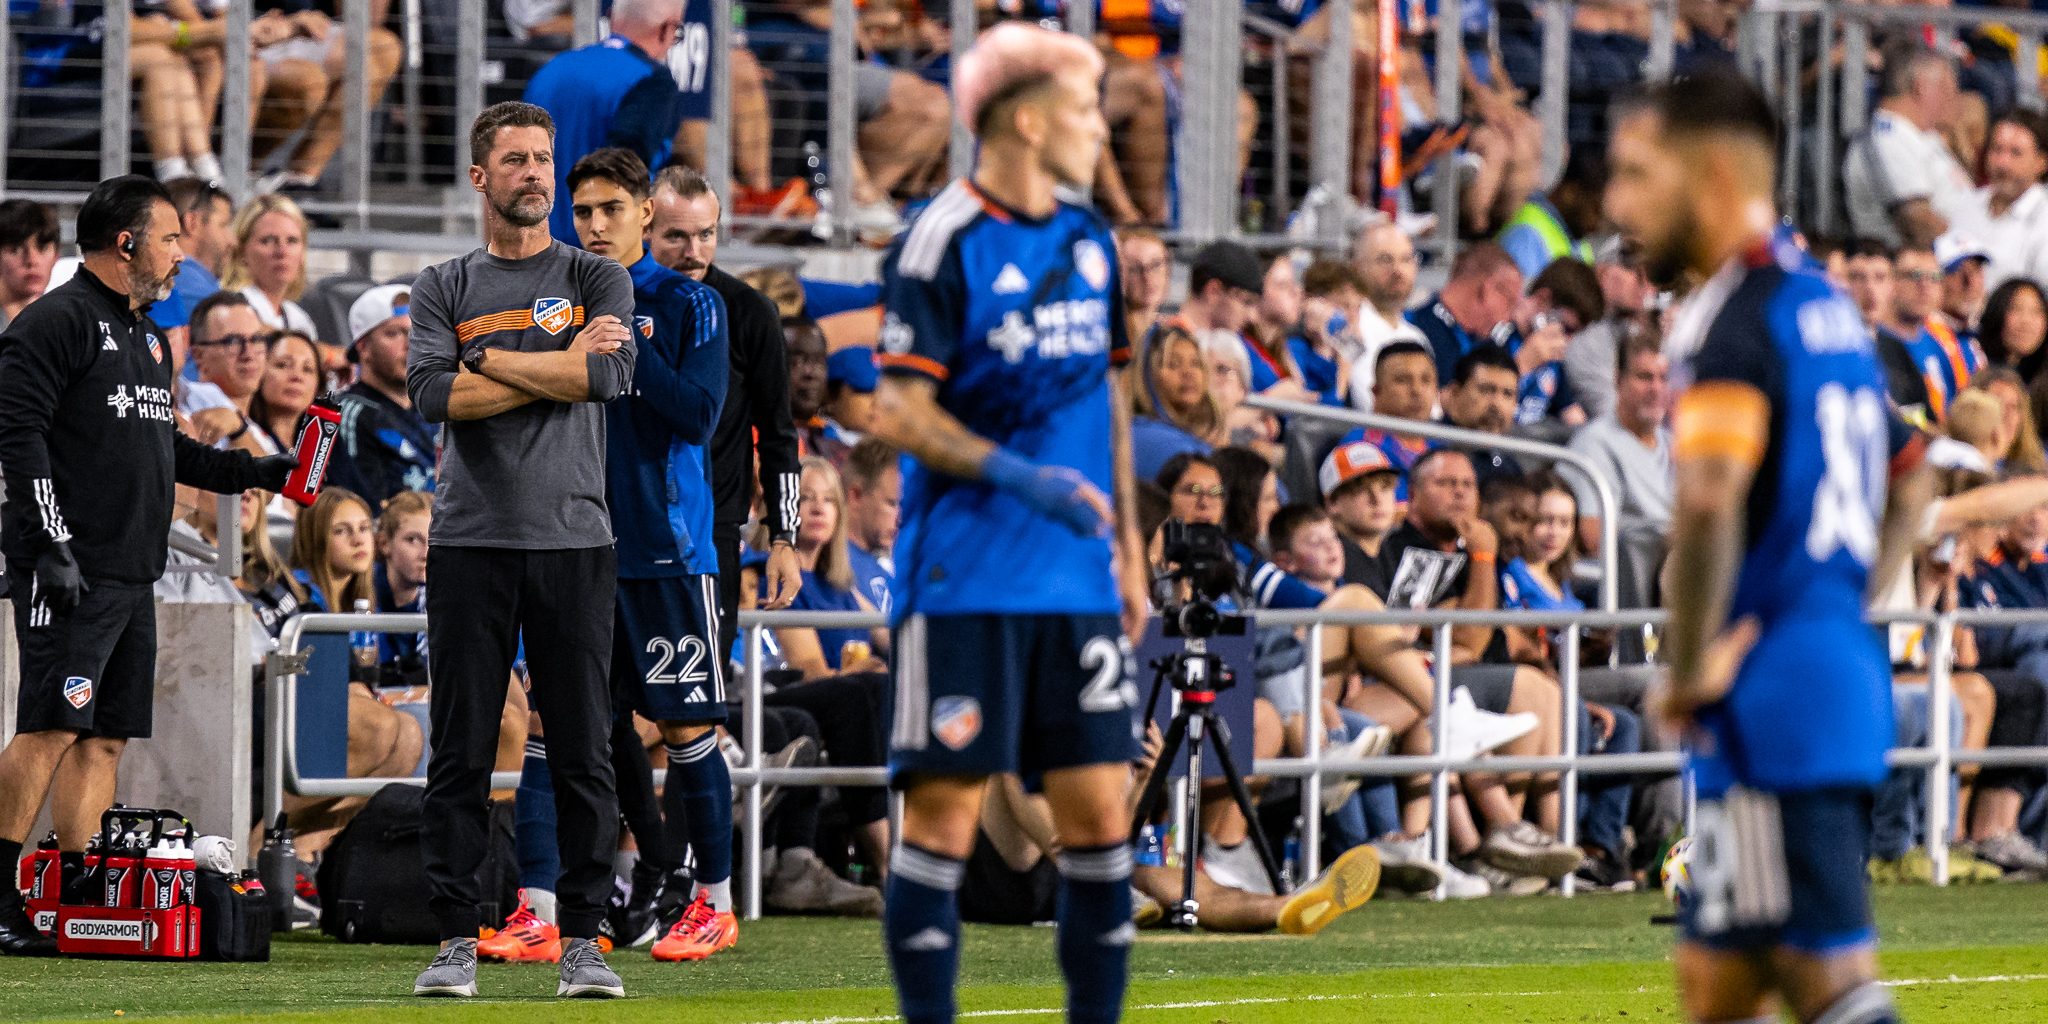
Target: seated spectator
x: 206, y: 235
x: 904, y: 122
x: 1903, y: 184
x: 1174, y: 410
x: 1962, y: 263
x: 781, y: 287
x: 1404, y: 386
x: 1589, y: 355
x: 278, y: 408
x: 269, y: 266
x: 1483, y: 292
x: 28, y: 249
x: 1482, y: 398
x: 1552, y: 227
x: 400, y: 578
x: 1563, y: 301
x: 2012, y: 205
x: 1324, y: 346
x: 1224, y: 284
x: 1275, y: 320
x: 1633, y: 447
x: 874, y: 499
x: 231, y: 348
x: 2018, y: 444
x: 2014, y: 326
x: 1230, y: 372
x: 1146, y: 271
x: 1946, y: 360
x: 808, y: 376
x: 175, y: 55
x: 196, y: 582
x: 387, y: 447
x: 1359, y: 484
x: 1705, y: 33
x: 266, y: 581
x: 1869, y: 279
x: 332, y: 559
x: 311, y: 67
x: 1385, y: 260
x: 1974, y: 420
x: 829, y: 585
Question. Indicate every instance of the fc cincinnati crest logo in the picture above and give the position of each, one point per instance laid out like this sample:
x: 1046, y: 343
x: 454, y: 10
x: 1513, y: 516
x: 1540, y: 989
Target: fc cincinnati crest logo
x: 155, y: 348
x: 78, y: 691
x: 646, y: 326
x: 1092, y: 264
x: 551, y: 314
x: 956, y: 721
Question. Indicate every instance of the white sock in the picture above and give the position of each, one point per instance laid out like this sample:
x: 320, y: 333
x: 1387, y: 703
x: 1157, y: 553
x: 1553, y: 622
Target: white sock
x: 172, y: 167
x: 207, y: 166
x: 623, y: 862
x: 718, y: 894
x: 541, y: 902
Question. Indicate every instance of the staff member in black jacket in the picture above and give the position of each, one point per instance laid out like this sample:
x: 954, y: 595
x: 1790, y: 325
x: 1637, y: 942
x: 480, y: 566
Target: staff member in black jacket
x: 756, y: 416
x: 90, y: 449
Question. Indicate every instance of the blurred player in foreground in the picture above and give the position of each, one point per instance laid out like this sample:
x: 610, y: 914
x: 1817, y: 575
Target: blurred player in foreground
x: 1001, y: 332
x: 1784, y: 447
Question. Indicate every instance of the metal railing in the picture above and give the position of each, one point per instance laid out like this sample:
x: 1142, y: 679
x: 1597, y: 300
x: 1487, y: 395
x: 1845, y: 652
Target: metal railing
x: 1939, y: 757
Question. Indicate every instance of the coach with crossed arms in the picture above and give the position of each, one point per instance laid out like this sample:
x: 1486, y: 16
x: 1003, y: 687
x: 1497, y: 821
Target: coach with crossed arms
x: 90, y: 448
x: 514, y: 347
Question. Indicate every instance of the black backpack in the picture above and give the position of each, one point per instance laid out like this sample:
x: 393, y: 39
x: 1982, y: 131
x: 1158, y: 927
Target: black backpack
x: 373, y: 883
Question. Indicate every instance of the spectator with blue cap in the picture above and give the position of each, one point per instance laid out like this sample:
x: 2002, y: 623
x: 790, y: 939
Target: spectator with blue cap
x: 1964, y: 264
x: 850, y: 377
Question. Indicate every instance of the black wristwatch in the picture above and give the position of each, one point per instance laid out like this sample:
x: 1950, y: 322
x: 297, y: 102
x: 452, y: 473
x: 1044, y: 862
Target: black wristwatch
x: 474, y: 359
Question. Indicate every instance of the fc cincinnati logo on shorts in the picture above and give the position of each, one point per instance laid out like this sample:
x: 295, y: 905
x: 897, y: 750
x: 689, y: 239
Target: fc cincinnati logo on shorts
x: 1093, y: 265
x: 646, y: 325
x: 956, y: 721
x: 78, y: 690
x: 551, y: 314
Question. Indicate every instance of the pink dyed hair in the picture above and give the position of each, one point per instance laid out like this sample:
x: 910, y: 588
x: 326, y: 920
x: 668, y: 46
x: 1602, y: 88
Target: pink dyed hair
x: 1011, y: 56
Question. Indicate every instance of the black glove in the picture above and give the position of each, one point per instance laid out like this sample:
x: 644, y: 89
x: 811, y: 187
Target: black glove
x: 273, y: 470
x: 59, y: 584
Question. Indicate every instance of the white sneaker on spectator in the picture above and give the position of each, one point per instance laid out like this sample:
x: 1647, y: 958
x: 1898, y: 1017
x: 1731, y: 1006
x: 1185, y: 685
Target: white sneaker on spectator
x: 1236, y: 867
x: 1506, y: 883
x: 1405, y: 865
x: 1371, y: 742
x: 1470, y: 731
x: 2009, y: 851
x: 1460, y: 884
x: 1524, y: 849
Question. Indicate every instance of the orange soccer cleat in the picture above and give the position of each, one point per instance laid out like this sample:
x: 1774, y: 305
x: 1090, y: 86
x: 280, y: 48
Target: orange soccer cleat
x: 524, y: 939
x: 702, y: 932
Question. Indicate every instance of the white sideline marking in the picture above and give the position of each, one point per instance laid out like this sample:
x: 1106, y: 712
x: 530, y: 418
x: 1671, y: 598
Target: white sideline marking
x: 1206, y: 1004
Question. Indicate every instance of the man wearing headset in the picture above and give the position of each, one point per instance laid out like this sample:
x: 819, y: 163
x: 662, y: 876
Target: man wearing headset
x: 90, y: 449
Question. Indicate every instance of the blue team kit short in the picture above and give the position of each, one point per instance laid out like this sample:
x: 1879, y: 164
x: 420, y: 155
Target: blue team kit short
x: 666, y: 663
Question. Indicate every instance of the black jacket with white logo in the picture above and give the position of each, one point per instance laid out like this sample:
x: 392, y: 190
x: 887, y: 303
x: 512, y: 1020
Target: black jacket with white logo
x: 88, y: 440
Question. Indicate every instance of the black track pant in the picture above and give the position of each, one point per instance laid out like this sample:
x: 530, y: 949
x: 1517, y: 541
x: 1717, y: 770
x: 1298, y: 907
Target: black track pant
x: 482, y: 603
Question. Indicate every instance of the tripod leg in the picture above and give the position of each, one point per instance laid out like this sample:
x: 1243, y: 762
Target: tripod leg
x: 1219, y: 737
x: 1155, y: 784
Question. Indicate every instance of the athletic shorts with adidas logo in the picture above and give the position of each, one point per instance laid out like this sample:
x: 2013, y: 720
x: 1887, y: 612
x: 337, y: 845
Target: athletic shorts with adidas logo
x: 666, y: 663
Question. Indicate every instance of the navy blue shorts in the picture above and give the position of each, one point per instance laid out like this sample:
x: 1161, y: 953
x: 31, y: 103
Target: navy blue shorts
x: 666, y: 662
x: 692, y: 62
x: 1781, y: 869
x: 982, y: 695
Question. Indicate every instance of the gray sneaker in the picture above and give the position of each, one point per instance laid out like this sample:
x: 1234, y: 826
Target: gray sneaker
x: 1405, y: 865
x: 453, y: 972
x: 585, y: 975
x: 2011, y: 852
x: 1524, y: 849
x: 1505, y: 883
x: 804, y: 885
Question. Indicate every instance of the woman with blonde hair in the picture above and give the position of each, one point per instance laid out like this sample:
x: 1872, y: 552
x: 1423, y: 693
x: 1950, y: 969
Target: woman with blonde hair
x: 2019, y: 436
x: 268, y: 265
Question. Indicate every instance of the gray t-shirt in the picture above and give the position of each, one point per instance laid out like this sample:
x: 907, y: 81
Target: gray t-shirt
x: 1589, y: 366
x: 533, y: 477
x: 1642, y: 477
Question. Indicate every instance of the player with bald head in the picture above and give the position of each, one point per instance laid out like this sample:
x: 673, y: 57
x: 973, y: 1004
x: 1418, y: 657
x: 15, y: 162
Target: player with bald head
x: 1002, y: 331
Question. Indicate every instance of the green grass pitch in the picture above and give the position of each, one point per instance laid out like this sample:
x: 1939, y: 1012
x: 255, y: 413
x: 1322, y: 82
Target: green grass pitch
x: 1964, y: 955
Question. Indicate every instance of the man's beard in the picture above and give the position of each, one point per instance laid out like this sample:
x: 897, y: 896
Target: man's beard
x: 149, y: 289
x: 1664, y: 263
x: 511, y: 212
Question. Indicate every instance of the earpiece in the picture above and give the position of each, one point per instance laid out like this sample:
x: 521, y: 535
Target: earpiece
x: 128, y: 247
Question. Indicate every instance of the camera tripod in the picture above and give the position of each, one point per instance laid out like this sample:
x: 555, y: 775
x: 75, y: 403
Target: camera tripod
x: 1195, y: 674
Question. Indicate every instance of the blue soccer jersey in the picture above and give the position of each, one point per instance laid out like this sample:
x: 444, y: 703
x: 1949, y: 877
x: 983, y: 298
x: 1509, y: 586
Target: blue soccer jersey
x: 655, y: 435
x: 1019, y: 321
x: 1811, y: 704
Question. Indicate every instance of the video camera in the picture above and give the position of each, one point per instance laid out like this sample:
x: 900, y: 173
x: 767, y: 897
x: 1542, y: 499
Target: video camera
x: 1198, y: 555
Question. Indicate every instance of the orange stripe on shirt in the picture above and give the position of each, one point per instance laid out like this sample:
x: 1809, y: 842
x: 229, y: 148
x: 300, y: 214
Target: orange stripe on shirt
x: 920, y: 364
x: 1722, y: 418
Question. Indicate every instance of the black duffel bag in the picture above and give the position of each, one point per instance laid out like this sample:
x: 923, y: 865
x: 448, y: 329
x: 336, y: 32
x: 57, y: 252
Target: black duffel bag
x: 373, y: 883
x: 234, y: 923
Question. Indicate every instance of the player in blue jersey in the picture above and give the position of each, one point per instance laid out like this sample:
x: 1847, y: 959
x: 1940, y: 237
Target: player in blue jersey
x: 1017, y: 581
x: 1784, y: 524
x: 666, y: 660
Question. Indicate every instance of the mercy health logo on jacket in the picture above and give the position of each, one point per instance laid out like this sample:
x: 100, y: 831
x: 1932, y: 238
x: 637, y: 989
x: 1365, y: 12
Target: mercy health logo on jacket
x: 147, y: 401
